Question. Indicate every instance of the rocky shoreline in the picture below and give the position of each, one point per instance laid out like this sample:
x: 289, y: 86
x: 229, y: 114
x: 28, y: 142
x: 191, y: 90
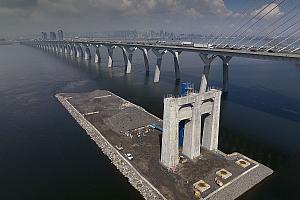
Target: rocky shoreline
x: 147, y: 190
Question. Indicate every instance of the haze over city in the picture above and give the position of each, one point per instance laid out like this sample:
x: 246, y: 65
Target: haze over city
x: 25, y: 17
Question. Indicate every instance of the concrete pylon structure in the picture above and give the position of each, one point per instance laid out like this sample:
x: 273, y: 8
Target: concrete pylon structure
x: 110, y: 51
x: 146, y: 58
x: 225, y: 60
x: 194, y: 109
x: 128, y: 53
x: 176, y: 63
x: 159, y: 54
x: 207, y: 60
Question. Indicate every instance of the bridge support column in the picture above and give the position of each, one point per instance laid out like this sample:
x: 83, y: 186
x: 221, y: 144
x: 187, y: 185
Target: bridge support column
x: 192, y: 138
x: 127, y: 53
x: 97, y: 54
x: 176, y: 63
x: 225, y: 60
x: 110, y: 50
x: 159, y: 54
x: 210, y: 136
x: 61, y: 49
x: 146, y: 59
x: 57, y: 50
x: 204, y: 79
x: 79, y: 52
x: 71, y: 51
x: 87, y: 54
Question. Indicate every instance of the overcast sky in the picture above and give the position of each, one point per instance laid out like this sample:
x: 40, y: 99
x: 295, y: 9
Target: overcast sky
x: 31, y: 16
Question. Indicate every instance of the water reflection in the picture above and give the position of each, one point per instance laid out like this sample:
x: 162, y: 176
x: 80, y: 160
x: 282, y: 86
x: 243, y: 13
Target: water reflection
x: 254, y: 101
x: 230, y: 142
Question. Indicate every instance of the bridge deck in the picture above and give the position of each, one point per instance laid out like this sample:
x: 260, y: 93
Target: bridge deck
x: 294, y: 57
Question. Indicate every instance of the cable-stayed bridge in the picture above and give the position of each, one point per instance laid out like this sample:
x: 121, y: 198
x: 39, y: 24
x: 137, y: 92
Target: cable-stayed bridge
x: 268, y: 34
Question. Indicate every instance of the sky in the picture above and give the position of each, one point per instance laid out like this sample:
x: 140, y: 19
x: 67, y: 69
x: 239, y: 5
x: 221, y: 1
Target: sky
x: 21, y: 17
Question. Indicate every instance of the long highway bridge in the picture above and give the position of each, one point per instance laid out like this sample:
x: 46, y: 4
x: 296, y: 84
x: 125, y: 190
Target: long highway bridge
x: 82, y: 49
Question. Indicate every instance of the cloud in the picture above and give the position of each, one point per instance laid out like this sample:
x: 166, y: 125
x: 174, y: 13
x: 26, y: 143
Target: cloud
x: 273, y: 8
x: 107, y: 14
x: 18, y: 3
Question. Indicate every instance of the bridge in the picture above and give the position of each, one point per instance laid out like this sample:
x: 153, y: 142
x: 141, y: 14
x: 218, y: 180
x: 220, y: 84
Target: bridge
x: 82, y: 49
x: 268, y: 34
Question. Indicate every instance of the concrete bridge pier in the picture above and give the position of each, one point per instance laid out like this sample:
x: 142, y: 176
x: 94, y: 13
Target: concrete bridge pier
x: 87, y: 54
x: 97, y: 53
x: 56, y: 49
x: 146, y: 59
x: 207, y: 60
x: 73, y: 51
x: 61, y: 49
x: 66, y: 52
x: 128, y: 53
x: 67, y: 49
x: 176, y: 63
x: 79, y: 52
x: 159, y: 54
x: 110, y: 51
x: 225, y: 60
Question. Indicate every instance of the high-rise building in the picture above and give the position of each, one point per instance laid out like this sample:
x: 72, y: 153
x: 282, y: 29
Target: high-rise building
x: 52, y: 36
x: 44, y: 36
x: 60, y: 35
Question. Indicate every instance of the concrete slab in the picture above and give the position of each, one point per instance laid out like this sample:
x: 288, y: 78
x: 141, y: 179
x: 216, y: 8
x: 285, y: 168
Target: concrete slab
x: 113, y: 117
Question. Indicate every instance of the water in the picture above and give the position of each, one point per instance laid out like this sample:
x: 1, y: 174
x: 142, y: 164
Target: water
x: 44, y: 154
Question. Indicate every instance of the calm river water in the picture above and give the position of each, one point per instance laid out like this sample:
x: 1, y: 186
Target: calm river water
x: 44, y: 154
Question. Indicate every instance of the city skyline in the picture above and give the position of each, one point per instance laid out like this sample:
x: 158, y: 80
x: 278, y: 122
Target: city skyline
x: 28, y: 17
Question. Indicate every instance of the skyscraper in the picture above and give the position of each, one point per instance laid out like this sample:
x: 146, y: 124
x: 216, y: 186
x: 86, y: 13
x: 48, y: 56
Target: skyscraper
x: 52, y: 36
x: 60, y: 35
x: 44, y: 36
